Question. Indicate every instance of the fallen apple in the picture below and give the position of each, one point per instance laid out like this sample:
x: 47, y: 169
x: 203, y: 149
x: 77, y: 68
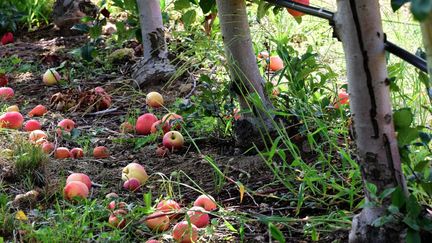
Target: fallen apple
x: 184, y: 232
x: 134, y: 170
x: 80, y: 177
x: 77, y: 153
x: 118, y: 218
x: 206, y: 201
x: 11, y: 120
x: 154, y: 100
x: 12, y: 108
x: 39, y: 110
x: 7, y: 38
x: 75, y: 189
x: 36, y: 135
x: 132, y: 184
x: 157, y: 126
x: 62, y: 153
x: 162, y: 151
x: 198, y: 216
x: 65, y: 125
x: 6, y: 93
x: 32, y: 125
x: 157, y: 222
x: 126, y: 127
x: 144, y: 123
x: 170, y: 207
x: 4, y: 80
x: 172, y: 121
x: 47, y: 147
x: 173, y: 140
x: 101, y: 152
x: 51, y: 77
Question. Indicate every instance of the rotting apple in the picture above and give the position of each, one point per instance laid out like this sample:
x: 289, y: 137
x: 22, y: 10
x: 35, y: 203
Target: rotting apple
x: 172, y: 121
x: 65, y: 125
x: 184, y: 232
x: 77, y: 153
x: 80, y: 177
x: 206, y: 201
x: 144, y: 123
x: 162, y: 151
x: 157, y: 126
x: 51, y: 77
x: 32, y: 125
x: 36, y: 135
x: 101, y: 152
x: 111, y: 195
x: 198, y: 216
x: 6, y: 93
x: 75, y: 189
x: 157, y: 222
x: 154, y: 100
x: 134, y: 170
x: 173, y: 140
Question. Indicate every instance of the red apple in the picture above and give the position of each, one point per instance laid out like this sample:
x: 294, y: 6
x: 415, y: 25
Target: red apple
x: 80, y: 177
x: 117, y: 218
x: 157, y: 126
x: 276, y: 64
x: 77, y: 153
x: 173, y: 140
x: 65, y: 125
x: 121, y: 205
x: 51, y: 77
x: 157, y: 222
x: 168, y: 206
x: 154, y: 100
x: 75, y: 189
x: 7, y: 38
x: 206, y: 201
x: 198, y: 216
x: 172, y: 121
x: 134, y: 170
x: 144, y: 123
x: 343, y: 99
x: 132, y: 184
x: 39, y: 110
x: 62, y: 153
x: 47, y: 147
x: 184, y: 232
x: 6, y: 93
x: 32, y: 125
x: 11, y: 120
x: 101, y: 152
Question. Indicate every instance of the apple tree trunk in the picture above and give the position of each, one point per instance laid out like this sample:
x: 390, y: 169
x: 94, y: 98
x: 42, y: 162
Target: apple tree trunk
x: 426, y: 27
x: 244, y: 72
x: 154, y: 66
x: 358, y: 24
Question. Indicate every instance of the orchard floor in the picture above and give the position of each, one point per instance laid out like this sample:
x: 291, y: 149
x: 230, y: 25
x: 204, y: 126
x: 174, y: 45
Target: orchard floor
x: 188, y: 166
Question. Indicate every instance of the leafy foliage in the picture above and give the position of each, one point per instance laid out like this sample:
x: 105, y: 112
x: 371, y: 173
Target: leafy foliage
x: 420, y: 8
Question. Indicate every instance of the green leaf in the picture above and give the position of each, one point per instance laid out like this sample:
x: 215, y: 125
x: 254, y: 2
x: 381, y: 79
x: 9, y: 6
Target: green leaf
x: 276, y: 233
x: 398, y: 198
x: 189, y: 17
x: 207, y: 5
x: 422, y: 165
x: 81, y: 27
x: 413, y: 236
x: 387, y: 192
x: 403, y: 118
x: 371, y: 188
x: 407, y: 135
x: 397, y: 4
x: 413, y: 207
x: 411, y: 222
x: 181, y: 4
x: 263, y: 7
x: 421, y: 9
x: 230, y: 226
x: 88, y: 52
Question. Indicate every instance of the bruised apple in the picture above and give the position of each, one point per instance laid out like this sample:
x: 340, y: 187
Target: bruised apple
x: 51, y: 77
x: 134, y: 170
x: 77, y: 153
x: 132, y: 184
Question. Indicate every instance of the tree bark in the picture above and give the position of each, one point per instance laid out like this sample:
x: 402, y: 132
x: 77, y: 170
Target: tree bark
x: 426, y: 27
x: 244, y: 71
x: 359, y: 26
x: 154, y: 67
